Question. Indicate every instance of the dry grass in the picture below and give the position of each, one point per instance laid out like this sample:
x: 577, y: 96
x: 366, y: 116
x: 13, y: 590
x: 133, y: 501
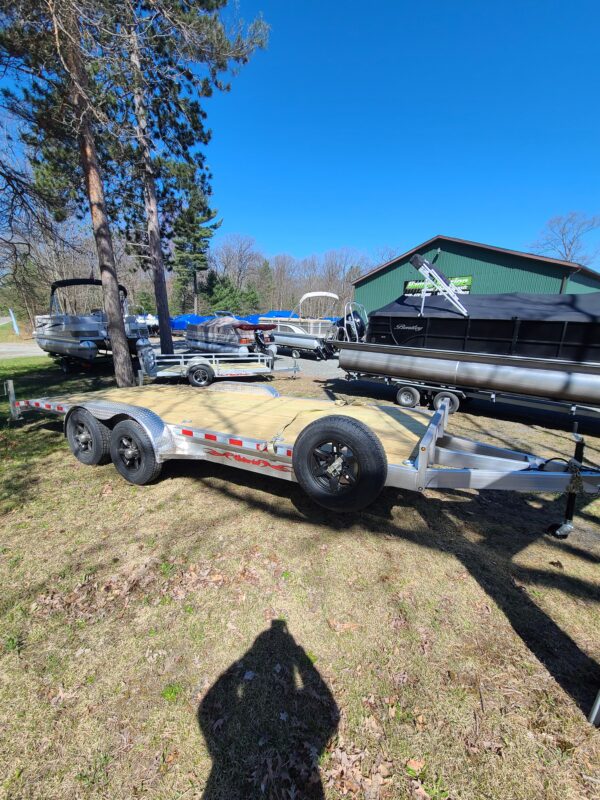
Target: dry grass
x: 433, y: 646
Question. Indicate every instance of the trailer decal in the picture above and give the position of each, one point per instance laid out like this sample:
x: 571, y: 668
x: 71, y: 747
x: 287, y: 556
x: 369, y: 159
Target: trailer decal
x: 255, y: 462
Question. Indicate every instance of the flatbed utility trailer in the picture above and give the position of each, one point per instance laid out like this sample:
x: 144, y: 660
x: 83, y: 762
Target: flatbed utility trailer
x: 201, y: 369
x: 341, y: 455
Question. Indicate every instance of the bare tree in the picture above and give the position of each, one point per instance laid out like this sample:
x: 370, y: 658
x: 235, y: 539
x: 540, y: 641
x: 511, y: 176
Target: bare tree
x: 236, y: 258
x: 563, y: 237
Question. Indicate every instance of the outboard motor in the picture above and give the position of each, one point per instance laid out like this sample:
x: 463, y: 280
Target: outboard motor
x: 262, y: 346
x: 146, y: 356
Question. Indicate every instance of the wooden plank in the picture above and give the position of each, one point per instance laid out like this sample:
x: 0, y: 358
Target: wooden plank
x: 263, y: 417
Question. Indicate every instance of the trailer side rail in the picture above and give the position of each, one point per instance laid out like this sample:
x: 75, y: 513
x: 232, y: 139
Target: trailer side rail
x: 163, y: 365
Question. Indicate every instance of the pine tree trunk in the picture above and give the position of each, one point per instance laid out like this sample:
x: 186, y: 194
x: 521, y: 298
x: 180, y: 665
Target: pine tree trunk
x: 95, y: 191
x: 151, y: 203
x: 106, y: 260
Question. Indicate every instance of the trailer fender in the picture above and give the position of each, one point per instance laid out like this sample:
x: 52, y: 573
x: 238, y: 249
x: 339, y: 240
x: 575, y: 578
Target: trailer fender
x: 111, y: 413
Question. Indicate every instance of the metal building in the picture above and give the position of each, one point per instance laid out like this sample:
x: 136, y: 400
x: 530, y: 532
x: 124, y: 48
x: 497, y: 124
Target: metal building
x: 475, y: 268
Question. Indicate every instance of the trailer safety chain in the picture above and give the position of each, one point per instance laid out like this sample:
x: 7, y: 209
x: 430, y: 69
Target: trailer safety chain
x: 576, y: 483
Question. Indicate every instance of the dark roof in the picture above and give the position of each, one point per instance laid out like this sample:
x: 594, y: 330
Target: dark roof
x: 439, y: 238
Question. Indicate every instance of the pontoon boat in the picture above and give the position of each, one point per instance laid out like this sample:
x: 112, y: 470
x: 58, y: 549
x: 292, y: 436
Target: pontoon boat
x: 81, y: 337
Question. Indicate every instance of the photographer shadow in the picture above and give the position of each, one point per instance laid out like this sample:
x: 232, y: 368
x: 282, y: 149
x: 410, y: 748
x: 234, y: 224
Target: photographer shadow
x: 266, y: 722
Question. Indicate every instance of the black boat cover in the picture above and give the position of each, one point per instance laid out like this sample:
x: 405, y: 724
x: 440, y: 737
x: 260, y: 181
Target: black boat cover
x: 80, y: 282
x: 558, y: 307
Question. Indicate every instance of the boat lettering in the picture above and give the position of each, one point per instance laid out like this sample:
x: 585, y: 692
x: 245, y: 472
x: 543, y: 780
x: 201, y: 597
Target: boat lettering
x: 403, y: 327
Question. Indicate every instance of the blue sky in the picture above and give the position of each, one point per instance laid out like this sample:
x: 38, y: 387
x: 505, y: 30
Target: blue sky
x: 377, y: 125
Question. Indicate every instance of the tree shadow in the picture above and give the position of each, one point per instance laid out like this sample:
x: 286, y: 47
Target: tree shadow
x: 337, y: 387
x: 485, y: 533
x: 266, y: 721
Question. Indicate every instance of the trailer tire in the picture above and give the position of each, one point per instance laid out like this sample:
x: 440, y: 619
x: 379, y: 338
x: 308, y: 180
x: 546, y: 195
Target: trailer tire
x: 200, y: 375
x: 320, y: 444
x: 132, y: 453
x: 453, y: 399
x: 408, y: 397
x: 88, y: 438
x: 296, y: 354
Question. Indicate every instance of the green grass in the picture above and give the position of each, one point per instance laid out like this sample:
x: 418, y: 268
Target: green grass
x: 172, y: 692
x: 429, y: 643
x: 40, y: 376
x: 7, y: 334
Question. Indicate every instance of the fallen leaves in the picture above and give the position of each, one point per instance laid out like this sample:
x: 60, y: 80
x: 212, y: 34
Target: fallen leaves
x: 93, y: 597
x: 342, y: 627
x: 350, y: 775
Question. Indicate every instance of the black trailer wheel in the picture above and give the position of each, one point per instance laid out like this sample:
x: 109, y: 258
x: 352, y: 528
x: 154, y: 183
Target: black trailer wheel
x: 340, y: 463
x: 295, y: 353
x: 201, y: 375
x: 453, y: 401
x: 89, y: 439
x: 408, y: 397
x: 132, y: 453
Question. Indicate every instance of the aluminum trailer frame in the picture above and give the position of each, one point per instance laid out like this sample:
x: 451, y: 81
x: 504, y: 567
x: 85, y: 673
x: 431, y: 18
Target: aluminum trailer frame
x: 441, y: 460
x: 179, y: 365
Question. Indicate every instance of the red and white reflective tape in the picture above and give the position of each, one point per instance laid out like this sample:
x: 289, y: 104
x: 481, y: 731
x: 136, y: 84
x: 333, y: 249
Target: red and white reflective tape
x: 42, y: 406
x: 221, y: 438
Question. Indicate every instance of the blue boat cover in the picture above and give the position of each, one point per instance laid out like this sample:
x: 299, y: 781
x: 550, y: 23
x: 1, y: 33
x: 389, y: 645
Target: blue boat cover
x: 180, y: 322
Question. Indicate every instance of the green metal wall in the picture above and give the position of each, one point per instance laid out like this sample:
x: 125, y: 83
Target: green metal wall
x: 492, y: 272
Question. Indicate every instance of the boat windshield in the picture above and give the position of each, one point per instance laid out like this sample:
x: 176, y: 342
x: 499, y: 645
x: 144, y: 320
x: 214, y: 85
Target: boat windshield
x: 81, y: 300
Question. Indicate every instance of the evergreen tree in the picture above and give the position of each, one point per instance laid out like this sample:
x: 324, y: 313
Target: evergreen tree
x: 122, y: 87
x: 192, y: 231
x: 49, y: 49
x: 225, y: 297
x: 169, y: 54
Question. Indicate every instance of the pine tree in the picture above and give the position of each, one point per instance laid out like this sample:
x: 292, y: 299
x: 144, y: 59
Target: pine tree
x: 192, y: 231
x: 171, y: 54
x: 46, y: 49
x: 123, y: 87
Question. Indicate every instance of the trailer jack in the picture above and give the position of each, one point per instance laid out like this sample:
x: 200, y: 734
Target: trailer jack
x: 560, y: 530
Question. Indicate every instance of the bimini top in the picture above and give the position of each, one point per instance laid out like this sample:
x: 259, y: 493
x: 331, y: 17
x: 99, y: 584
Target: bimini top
x: 81, y: 282
x: 516, y: 305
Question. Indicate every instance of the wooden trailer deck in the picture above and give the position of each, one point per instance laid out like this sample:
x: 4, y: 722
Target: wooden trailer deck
x: 247, y: 414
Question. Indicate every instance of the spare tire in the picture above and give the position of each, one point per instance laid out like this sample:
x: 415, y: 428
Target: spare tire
x: 340, y: 463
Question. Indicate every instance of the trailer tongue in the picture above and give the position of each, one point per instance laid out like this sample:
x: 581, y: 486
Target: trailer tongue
x: 341, y: 455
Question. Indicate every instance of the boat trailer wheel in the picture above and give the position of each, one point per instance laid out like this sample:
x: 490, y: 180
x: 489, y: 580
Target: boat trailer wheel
x: 408, y: 397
